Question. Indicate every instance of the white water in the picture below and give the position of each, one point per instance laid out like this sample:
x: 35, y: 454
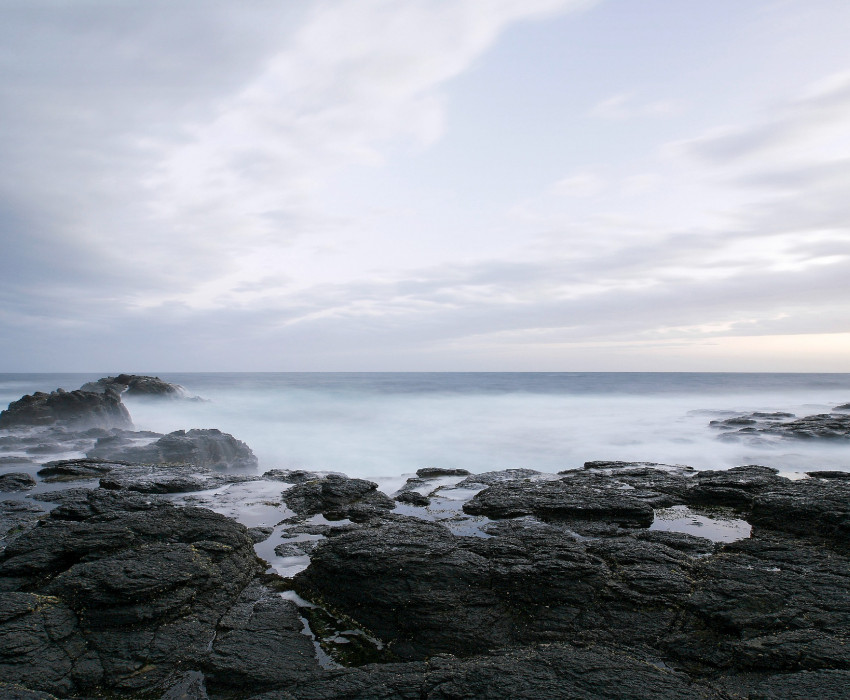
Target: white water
x: 373, y: 435
x: 390, y: 425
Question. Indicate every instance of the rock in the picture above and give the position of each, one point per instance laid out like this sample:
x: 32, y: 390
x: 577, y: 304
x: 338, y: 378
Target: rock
x: 558, y: 671
x: 413, y: 498
x: 291, y: 476
x: 619, y: 466
x: 117, y: 593
x: 16, y: 481
x: 75, y: 409
x: 490, y: 478
x: 565, y: 499
x: 41, y: 647
x: 188, y: 685
x: 260, y: 533
x: 735, y: 487
x: 842, y: 407
x: 829, y: 475
x: 14, y: 459
x: 770, y: 603
x: 137, y: 385
x: 17, y: 692
x: 823, y: 685
x: 166, y: 478
x: 337, y: 497
x: 16, y: 518
x: 414, y: 584
x: 810, y: 507
x: 260, y: 643
x: 296, y: 549
x: 823, y: 426
x: 432, y: 472
x: 77, y: 469
x: 201, y: 448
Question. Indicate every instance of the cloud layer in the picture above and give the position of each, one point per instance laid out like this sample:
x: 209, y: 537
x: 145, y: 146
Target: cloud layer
x: 227, y: 186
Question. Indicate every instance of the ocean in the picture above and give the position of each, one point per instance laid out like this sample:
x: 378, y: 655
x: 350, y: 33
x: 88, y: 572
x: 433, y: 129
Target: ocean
x: 391, y: 424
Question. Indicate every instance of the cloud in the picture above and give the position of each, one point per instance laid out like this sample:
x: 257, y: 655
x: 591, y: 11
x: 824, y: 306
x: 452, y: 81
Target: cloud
x: 624, y: 105
x: 811, y: 125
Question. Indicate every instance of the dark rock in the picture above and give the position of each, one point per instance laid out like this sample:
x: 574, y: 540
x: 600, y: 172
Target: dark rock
x: 842, y: 407
x: 413, y: 583
x: 202, y: 448
x: 77, y: 409
x: 432, y: 472
x: 136, y: 385
x: 77, y: 469
x: 17, y: 692
x: 13, y: 459
x: 16, y: 481
x: 769, y: 603
x: 167, y: 478
x: 618, y: 466
x: 829, y: 475
x: 823, y: 426
x: 260, y: 533
x: 291, y: 476
x: 490, y: 478
x: 734, y: 487
x: 188, y: 685
x: 557, y: 671
x: 823, y: 685
x: 118, y: 592
x: 414, y: 498
x: 296, y: 549
x: 337, y: 497
x: 808, y: 507
x: 40, y: 643
x: 16, y: 518
x: 565, y: 499
x: 260, y: 643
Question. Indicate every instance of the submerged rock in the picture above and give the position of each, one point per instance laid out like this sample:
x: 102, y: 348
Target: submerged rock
x: 74, y: 409
x: 202, y: 448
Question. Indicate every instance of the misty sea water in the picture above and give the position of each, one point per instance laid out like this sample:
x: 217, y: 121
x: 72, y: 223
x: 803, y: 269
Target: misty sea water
x: 390, y: 424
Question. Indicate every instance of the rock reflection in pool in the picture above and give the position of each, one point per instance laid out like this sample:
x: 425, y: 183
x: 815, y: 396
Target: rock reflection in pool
x: 716, y: 524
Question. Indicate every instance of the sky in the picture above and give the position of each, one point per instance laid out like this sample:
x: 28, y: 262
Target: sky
x: 424, y: 185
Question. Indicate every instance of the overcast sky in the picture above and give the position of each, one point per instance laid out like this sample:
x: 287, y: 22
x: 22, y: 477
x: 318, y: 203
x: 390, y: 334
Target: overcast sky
x: 424, y: 185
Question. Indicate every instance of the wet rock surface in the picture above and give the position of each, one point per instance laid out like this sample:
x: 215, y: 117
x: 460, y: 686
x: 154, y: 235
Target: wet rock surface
x: 76, y: 409
x: 337, y: 497
x: 114, y: 591
x: 202, y: 448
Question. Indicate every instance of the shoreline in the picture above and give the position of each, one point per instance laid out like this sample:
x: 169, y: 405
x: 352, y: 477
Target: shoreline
x: 166, y: 567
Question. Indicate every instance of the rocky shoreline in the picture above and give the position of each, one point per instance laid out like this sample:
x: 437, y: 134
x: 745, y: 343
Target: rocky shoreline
x: 163, y: 566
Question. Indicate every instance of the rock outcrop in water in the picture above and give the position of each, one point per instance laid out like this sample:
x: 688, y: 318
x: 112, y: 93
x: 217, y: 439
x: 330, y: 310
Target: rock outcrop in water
x: 137, y: 385
x: 202, y: 448
x: 72, y: 409
x: 822, y: 426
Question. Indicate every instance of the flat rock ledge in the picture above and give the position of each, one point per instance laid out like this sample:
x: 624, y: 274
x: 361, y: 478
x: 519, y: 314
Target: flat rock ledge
x: 567, y: 591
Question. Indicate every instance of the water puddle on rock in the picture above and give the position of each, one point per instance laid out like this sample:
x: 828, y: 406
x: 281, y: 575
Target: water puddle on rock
x: 715, y: 524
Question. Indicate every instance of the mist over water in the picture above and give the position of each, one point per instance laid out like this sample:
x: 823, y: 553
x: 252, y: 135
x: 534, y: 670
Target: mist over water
x: 384, y: 425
